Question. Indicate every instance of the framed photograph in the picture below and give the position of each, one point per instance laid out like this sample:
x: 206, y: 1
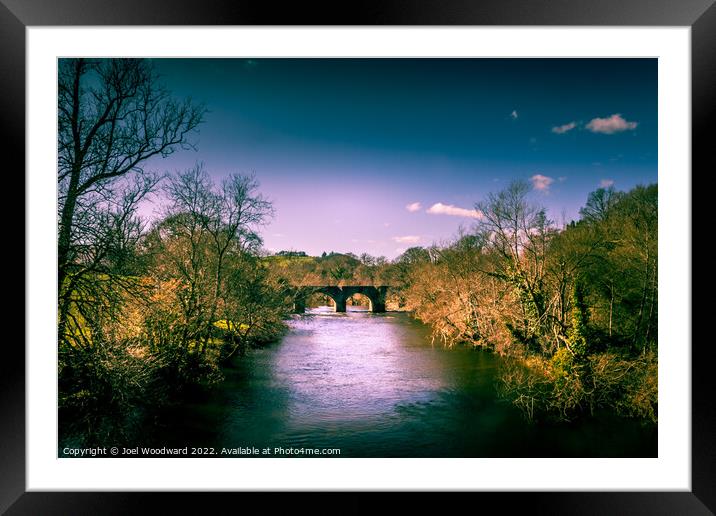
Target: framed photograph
x: 414, y: 249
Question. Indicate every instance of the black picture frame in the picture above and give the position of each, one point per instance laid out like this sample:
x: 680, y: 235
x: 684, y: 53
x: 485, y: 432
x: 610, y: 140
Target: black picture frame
x: 16, y: 15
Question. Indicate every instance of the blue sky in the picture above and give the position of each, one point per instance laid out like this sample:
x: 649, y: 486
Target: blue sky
x: 354, y: 153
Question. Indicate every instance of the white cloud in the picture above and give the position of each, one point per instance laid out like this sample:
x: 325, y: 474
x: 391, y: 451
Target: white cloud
x: 514, y: 114
x: 606, y: 183
x: 408, y: 239
x: 448, y: 209
x: 610, y: 125
x: 413, y: 206
x: 561, y: 129
x: 541, y: 183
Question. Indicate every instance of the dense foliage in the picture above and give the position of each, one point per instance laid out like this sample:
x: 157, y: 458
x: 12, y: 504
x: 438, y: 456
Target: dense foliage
x: 574, y: 310
x: 146, y: 313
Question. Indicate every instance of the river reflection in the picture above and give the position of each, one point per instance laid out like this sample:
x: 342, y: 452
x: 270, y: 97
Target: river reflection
x: 339, y: 368
x: 373, y: 385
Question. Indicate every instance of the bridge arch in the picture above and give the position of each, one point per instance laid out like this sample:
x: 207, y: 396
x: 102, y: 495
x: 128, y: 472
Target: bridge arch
x: 376, y: 295
x: 359, y: 299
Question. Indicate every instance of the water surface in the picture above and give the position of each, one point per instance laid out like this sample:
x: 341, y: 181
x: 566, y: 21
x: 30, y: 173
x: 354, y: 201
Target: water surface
x: 374, y: 385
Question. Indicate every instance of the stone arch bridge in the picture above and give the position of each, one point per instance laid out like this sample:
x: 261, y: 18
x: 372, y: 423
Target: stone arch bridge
x: 340, y: 295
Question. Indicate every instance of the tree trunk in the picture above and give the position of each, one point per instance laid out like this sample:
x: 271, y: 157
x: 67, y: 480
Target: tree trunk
x: 611, y: 307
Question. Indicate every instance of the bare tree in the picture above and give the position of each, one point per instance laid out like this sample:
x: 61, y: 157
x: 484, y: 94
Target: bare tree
x: 113, y: 116
x: 519, y: 233
x: 241, y: 209
x: 599, y: 204
x: 203, y: 227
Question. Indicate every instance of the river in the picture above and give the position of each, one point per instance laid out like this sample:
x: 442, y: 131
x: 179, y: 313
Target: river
x: 373, y: 385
